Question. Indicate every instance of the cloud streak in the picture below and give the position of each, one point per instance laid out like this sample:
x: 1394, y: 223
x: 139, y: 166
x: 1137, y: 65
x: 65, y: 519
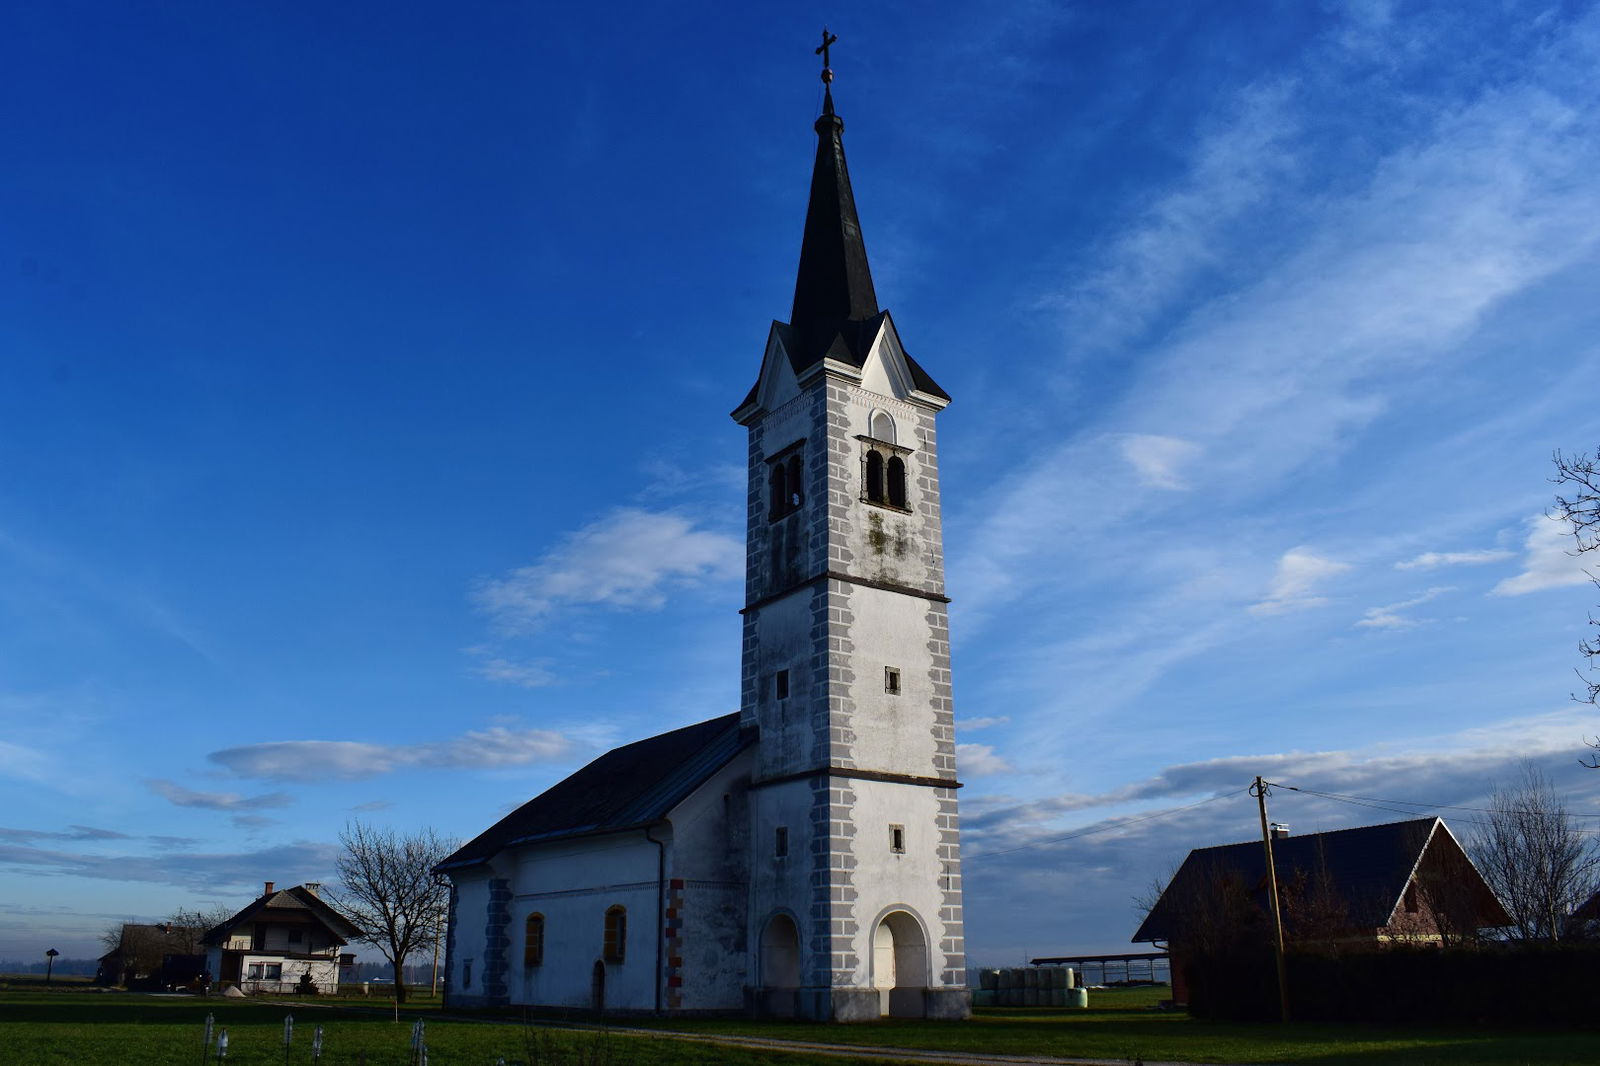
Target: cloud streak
x: 349, y: 760
x: 179, y: 796
x: 1547, y: 561
x: 631, y: 559
x: 1295, y: 585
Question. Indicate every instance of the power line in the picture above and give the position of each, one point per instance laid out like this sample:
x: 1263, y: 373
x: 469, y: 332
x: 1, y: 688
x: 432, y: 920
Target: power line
x: 1378, y: 805
x: 1104, y: 828
x: 1408, y: 803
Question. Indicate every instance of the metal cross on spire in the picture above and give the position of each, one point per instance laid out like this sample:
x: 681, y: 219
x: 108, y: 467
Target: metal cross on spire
x: 828, y: 39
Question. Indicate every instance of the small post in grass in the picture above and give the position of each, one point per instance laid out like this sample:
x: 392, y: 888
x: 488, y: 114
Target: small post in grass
x: 288, y: 1036
x: 316, y: 1044
x: 222, y: 1045
x: 418, y: 1052
x: 205, y: 1041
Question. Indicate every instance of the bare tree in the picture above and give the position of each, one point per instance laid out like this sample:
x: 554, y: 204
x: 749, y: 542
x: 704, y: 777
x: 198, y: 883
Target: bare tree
x: 188, y: 926
x: 1578, y: 505
x: 1534, y: 857
x: 388, y: 889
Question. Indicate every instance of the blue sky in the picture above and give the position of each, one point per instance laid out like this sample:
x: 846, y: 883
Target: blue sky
x: 364, y: 450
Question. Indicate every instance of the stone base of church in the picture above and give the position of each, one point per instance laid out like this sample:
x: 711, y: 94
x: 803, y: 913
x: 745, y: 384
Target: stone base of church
x: 949, y: 1004
x: 854, y: 1005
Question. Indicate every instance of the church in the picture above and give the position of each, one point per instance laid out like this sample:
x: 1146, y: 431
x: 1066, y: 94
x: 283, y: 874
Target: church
x: 801, y: 857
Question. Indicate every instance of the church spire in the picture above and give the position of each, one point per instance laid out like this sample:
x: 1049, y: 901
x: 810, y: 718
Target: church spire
x: 834, y: 284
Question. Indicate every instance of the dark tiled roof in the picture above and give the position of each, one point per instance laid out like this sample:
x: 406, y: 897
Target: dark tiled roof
x: 627, y: 787
x: 299, y: 898
x: 1366, y: 869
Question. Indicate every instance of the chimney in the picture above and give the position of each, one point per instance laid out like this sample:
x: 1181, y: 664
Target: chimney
x: 1279, y: 830
x: 268, y: 890
x: 313, y: 887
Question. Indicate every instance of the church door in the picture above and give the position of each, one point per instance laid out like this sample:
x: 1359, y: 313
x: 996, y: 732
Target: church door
x: 780, y: 967
x: 597, y: 986
x: 900, y: 966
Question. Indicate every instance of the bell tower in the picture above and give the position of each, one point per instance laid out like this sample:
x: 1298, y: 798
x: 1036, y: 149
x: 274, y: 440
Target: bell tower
x: 855, y: 891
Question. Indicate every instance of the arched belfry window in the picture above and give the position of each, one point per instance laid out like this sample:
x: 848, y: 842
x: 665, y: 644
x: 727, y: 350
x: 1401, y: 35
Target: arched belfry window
x: 883, y: 465
x: 616, y: 940
x: 796, y: 496
x: 785, y: 481
x: 895, y: 475
x: 533, y: 940
x: 779, y: 482
x: 875, y: 491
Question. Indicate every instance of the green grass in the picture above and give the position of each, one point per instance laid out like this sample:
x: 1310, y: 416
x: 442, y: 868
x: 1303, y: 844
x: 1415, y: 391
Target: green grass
x: 1124, y: 1024
x: 91, y: 1028
x: 84, y: 1027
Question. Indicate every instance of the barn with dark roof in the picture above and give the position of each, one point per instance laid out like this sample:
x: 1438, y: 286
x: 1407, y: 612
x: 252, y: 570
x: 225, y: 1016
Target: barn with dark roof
x: 1408, y: 882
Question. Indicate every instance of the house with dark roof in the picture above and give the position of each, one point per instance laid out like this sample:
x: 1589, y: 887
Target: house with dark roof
x: 150, y: 955
x: 1349, y: 889
x: 286, y: 940
x: 800, y: 857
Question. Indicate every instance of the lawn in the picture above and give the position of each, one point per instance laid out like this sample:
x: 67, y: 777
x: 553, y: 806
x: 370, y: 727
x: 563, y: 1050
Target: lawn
x: 91, y: 1028
x: 1124, y: 1024
x: 85, y: 1027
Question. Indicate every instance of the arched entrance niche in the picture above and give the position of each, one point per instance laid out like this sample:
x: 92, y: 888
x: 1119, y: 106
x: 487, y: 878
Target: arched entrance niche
x: 780, y: 967
x: 597, y: 986
x: 900, y: 965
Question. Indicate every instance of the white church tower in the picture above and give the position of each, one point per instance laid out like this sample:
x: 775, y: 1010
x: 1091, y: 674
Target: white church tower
x: 855, y: 876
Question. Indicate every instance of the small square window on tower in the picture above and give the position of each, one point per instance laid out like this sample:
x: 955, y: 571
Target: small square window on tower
x: 891, y: 680
x: 780, y: 842
x: 780, y: 685
x: 897, y: 839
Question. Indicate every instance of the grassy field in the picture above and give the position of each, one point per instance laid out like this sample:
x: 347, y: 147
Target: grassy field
x: 1124, y: 1025
x: 90, y: 1028
x: 85, y: 1027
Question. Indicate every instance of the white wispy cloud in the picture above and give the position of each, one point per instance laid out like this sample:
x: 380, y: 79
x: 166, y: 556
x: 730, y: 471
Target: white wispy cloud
x: 969, y: 724
x: 220, y: 871
x: 536, y: 674
x: 179, y: 796
x: 1435, y: 560
x: 1296, y: 583
x: 1548, y: 561
x: 1235, y: 164
x: 1159, y: 460
x: 321, y: 760
x: 628, y: 559
x: 975, y: 760
x: 1389, y: 616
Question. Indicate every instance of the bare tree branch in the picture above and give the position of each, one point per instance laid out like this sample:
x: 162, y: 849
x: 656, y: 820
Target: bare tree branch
x: 1577, y: 504
x: 388, y: 889
x: 1534, y: 857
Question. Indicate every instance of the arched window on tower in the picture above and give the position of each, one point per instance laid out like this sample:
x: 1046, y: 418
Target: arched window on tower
x: 778, y: 482
x: 875, y: 491
x: 796, y: 493
x: 882, y: 427
x: 896, y: 477
x: 533, y: 940
x: 616, y: 942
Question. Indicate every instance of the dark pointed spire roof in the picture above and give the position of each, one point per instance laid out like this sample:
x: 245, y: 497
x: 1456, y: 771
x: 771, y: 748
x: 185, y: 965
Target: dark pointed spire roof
x: 834, y: 284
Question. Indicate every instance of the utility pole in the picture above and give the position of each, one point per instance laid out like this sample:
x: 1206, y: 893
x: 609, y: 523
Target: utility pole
x: 1259, y: 791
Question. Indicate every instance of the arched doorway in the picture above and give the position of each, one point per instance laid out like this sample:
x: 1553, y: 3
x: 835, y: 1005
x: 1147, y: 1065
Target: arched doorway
x: 900, y: 965
x: 597, y: 986
x: 780, y: 967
